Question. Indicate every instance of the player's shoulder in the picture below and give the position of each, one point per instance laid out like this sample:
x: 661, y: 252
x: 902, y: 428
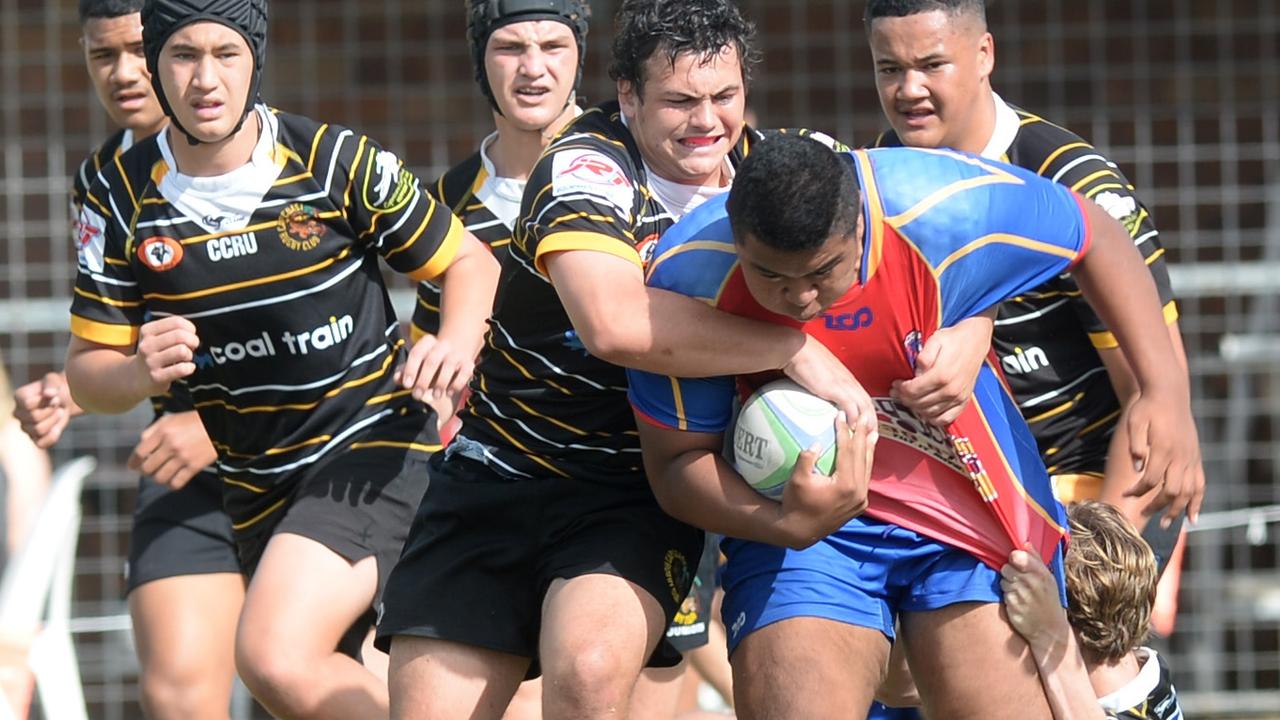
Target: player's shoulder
x: 457, y: 183
x: 133, y: 167
x: 824, y: 138
x: 697, y: 254
x: 1049, y: 149
x: 313, y: 141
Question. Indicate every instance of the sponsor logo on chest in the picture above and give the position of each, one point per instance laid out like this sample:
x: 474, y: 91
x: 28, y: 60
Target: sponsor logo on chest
x: 320, y: 338
x: 232, y: 246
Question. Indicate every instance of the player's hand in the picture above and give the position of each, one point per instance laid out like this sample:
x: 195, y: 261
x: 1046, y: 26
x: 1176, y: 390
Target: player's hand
x: 1031, y: 600
x: 436, y: 371
x: 43, y: 408
x: 820, y: 372
x: 1165, y: 449
x: 166, y: 352
x: 815, y: 505
x: 946, y: 371
x: 173, y: 449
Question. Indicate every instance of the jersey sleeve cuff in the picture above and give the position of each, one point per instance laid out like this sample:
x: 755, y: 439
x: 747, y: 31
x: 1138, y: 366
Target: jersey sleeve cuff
x: 596, y: 242
x: 104, y: 333
x: 444, y: 255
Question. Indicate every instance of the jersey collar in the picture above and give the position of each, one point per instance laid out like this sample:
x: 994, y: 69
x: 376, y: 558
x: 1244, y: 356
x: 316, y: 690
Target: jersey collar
x: 1005, y: 131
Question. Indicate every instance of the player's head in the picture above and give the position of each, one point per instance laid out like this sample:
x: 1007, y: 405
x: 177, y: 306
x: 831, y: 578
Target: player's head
x: 206, y: 58
x: 1111, y: 582
x: 111, y: 35
x: 528, y: 56
x: 795, y: 210
x: 682, y: 68
x: 933, y: 62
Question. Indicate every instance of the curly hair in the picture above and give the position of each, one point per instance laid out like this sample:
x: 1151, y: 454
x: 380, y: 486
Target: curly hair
x: 674, y: 28
x: 1111, y: 582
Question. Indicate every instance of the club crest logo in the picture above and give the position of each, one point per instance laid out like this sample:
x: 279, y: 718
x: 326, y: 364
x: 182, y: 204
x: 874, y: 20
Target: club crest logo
x: 160, y: 253
x: 299, y: 227
x: 388, y: 187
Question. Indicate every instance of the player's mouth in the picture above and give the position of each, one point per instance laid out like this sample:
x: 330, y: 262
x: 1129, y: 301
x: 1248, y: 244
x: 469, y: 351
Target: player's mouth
x: 130, y: 100
x: 916, y: 118
x: 207, y: 109
x: 532, y: 94
x: 700, y: 142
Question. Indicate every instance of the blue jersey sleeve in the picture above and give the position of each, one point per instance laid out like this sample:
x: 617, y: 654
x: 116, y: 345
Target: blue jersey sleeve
x: 988, y: 230
x: 694, y: 258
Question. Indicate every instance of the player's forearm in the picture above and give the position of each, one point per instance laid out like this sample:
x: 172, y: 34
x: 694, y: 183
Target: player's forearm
x: 466, y: 300
x: 700, y: 488
x: 105, y: 380
x: 1116, y: 283
x: 688, y: 338
x: 1065, y: 680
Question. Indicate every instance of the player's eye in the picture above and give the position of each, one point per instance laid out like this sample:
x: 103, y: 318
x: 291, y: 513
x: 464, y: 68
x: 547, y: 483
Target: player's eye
x: 725, y: 98
x: 888, y: 71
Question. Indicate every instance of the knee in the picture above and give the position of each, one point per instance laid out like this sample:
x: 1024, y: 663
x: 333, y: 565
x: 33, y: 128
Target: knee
x: 590, y: 676
x: 271, y: 675
x: 184, y: 693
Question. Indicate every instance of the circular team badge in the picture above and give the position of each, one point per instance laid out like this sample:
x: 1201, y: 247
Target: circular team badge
x: 160, y: 253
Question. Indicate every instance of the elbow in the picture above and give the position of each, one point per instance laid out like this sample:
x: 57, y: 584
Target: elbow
x: 612, y: 342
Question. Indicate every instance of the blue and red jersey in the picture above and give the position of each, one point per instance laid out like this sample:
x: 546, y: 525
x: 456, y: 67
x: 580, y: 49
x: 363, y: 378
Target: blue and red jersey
x: 947, y: 235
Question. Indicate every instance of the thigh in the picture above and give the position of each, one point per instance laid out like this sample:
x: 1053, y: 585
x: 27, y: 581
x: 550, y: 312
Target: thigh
x: 968, y: 662
x: 598, y: 621
x: 185, y: 626
x: 466, y: 572
x: 619, y: 533
x: 808, y: 667
x: 432, y: 679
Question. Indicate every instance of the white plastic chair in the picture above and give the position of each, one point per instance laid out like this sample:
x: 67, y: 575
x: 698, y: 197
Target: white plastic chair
x: 35, y: 593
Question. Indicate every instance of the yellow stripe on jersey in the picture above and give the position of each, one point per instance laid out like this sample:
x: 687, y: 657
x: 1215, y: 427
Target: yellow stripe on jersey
x: 527, y: 453
x: 106, y: 300
x: 712, y: 245
x: 257, y: 518
x: 128, y: 186
x: 1098, y: 423
x: 1006, y: 239
x: 245, y: 486
x: 1105, y: 340
x: 678, y: 397
x: 226, y: 450
x: 247, y: 229
x: 947, y: 191
x: 715, y: 302
x: 1090, y: 178
x: 1057, y: 153
x: 420, y: 447
x: 304, y: 406
x: 583, y: 240
x: 1104, y: 186
x: 218, y: 290
x: 579, y: 215
x: 315, y: 146
x: 444, y: 255
x: 102, y: 209
x: 525, y: 407
x: 1055, y: 411
x: 523, y: 371
x: 386, y: 397
x: 1155, y: 256
x: 104, y: 333
x: 876, y: 219
x: 1076, y: 487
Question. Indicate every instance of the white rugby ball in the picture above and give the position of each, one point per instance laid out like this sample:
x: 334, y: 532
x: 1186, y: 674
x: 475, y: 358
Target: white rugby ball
x: 777, y: 423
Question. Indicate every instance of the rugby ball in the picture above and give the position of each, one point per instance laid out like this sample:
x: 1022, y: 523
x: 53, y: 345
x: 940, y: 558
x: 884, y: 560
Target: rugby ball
x: 776, y: 424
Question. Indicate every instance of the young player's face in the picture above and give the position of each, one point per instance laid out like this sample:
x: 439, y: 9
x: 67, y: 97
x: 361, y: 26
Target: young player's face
x: 206, y: 69
x: 118, y: 70
x: 932, y: 71
x: 531, y: 68
x: 801, y: 285
x: 689, y: 116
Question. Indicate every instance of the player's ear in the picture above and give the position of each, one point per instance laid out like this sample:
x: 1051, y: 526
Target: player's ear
x: 986, y: 55
x: 628, y: 97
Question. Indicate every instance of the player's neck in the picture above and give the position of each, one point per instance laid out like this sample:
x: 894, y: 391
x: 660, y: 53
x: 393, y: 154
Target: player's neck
x: 515, y: 151
x: 146, y: 131
x: 216, y: 158
x: 983, y: 124
x: 1107, y: 678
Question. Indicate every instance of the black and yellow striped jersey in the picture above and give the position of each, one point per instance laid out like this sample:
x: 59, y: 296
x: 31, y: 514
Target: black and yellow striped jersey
x: 487, y: 205
x: 1046, y: 338
x: 276, y: 264
x: 541, y: 404
x: 1148, y: 696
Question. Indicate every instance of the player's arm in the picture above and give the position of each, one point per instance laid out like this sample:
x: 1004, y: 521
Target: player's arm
x: 111, y: 379
x: 44, y: 407
x: 1163, y: 442
x: 947, y: 369
x: 1033, y: 608
x: 695, y: 484
x: 622, y: 321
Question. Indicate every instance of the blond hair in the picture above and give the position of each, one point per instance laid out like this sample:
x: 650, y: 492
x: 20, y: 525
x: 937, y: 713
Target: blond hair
x: 1111, y: 582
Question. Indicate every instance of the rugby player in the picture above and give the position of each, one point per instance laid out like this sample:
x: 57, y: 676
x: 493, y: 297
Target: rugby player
x: 182, y: 575
x: 236, y: 254
x: 539, y: 547
x: 1094, y: 648
x: 872, y: 252
x: 933, y: 63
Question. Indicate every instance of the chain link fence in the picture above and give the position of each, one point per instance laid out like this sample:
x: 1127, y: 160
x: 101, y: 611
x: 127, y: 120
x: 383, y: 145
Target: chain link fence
x: 1183, y: 94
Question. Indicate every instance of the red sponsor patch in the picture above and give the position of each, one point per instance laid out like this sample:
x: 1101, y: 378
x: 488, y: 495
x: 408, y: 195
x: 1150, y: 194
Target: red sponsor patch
x: 594, y: 168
